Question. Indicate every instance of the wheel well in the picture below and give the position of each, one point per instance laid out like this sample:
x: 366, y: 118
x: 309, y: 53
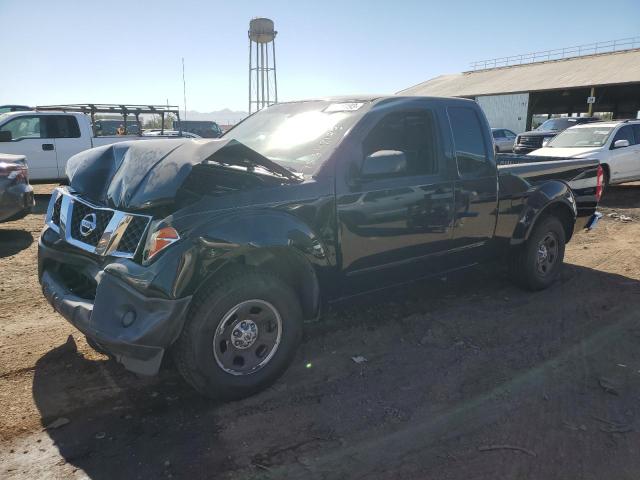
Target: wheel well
x: 290, y: 266
x: 563, y: 213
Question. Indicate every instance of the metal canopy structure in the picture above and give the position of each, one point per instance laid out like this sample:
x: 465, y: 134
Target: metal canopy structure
x: 593, y: 70
x: 559, y: 53
x: 603, y: 84
x: 114, y: 108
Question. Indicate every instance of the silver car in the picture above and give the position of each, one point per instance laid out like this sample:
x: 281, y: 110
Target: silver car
x: 503, y: 139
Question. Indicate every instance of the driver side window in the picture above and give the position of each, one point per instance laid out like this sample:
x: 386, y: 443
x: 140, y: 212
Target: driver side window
x: 625, y: 133
x: 411, y: 132
x: 24, y: 127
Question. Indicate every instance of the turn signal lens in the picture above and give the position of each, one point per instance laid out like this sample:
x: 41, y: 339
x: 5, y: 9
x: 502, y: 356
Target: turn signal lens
x: 599, y: 177
x: 159, y: 240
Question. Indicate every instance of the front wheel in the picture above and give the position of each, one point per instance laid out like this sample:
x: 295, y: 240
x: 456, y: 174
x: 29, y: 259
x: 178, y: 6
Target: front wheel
x: 536, y: 264
x: 240, y: 336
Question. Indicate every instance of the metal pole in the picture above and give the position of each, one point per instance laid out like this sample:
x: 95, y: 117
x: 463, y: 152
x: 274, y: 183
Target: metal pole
x: 593, y: 94
x: 275, y: 79
x: 250, y: 74
x: 267, y: 66
x: 184, y: 90
x: 257, y: 101
x: 262, y: 73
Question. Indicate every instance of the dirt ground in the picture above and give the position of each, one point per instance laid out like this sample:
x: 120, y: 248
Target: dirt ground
x: 465, y: 377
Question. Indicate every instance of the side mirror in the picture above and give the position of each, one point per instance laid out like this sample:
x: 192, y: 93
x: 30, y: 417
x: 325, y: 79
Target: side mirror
x: 5, y: 136
x: 384, y: 162
x: 621, y: 143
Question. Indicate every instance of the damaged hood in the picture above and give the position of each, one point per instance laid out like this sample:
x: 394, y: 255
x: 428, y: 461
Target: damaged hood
x: 141, y: 174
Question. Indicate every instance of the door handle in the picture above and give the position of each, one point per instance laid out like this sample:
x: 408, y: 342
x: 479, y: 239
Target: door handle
x: 47, y: 146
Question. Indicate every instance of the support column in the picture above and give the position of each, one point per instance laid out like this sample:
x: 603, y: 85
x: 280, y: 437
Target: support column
x: 590, y: 110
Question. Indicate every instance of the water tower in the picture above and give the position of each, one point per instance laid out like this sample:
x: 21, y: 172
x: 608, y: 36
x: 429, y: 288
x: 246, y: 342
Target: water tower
x: 263, y: 83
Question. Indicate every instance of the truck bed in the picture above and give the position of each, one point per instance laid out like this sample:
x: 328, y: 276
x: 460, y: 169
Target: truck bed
x: 579, y: 174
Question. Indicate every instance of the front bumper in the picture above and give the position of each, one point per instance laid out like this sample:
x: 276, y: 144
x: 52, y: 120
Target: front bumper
x: 135, y: 328
x: 16, y: 201
x: 523, y: 150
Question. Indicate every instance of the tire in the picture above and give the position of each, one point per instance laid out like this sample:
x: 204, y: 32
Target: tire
x: 537, y: 264
x: 256, y: 311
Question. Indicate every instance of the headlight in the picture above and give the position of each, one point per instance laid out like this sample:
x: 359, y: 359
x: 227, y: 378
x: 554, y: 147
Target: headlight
x: 17, y: 172
x: 546, y: 140
x: 158, y: 239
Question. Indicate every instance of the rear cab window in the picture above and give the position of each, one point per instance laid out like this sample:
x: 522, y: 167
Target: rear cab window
x: 64, y: 126
x: 469, y: 142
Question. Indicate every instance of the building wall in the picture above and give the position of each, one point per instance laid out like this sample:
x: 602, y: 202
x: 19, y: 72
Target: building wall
x: 506, y: 111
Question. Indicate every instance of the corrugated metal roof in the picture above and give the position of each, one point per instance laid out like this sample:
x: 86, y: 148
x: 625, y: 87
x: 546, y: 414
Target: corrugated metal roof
x: 593, y: 70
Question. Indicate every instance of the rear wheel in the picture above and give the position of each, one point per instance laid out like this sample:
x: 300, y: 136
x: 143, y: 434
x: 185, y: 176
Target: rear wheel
x: 536, y: 264
x: 240, y: 337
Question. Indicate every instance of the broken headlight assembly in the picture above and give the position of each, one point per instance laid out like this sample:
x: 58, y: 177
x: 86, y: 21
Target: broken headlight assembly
x: 160, y: 237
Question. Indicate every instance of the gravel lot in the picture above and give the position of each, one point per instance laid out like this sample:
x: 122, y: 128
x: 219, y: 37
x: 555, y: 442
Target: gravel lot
x: 465, y: 377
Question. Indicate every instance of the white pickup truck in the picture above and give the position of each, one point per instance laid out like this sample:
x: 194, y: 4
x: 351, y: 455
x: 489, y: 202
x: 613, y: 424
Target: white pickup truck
x: 49, y: 138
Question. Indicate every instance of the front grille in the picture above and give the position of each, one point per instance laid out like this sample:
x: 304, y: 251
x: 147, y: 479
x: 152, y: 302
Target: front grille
x: 133, y: 234
x: 55, y: 216
x: 531, y: 142
x: 114, y: 233
x: 81, y: 211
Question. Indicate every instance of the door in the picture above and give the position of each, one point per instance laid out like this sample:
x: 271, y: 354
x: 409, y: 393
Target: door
x: 393, y: 226
x: 68, y: 141
x: 510, y: 139
x: 624, y: 161
x: 476, y: 188
x: 499, y: 139
x: 30, y: 137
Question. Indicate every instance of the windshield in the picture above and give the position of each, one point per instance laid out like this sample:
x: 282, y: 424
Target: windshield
x: 581, y: 137
x: 299, y: 136
x: 559, y: 123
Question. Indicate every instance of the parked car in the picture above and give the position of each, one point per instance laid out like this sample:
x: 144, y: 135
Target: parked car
x: 503, y: 139
x: 16, y: 195
x: 168, y: 133
x: 616, y: 144
x: 219, y: 250
x: 203, y: 128
x: 49, y: 138
x: 527, y: 142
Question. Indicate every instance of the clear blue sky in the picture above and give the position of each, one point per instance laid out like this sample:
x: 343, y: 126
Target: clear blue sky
x: 129, y: 51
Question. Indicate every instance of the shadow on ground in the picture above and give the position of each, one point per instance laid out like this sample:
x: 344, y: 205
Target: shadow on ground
x: 457, y: 372
x: 42, y: 202
x: 622, y: 196
x: 14, y: 241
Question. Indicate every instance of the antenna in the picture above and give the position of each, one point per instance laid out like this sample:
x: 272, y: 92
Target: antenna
x: 184, y: 90
x: 263, y: 89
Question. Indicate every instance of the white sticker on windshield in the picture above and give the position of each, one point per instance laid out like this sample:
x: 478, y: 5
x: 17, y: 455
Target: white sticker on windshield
x: 343, y: 107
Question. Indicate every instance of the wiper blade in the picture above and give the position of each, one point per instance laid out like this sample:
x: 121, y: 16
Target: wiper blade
x: 237, y: 153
